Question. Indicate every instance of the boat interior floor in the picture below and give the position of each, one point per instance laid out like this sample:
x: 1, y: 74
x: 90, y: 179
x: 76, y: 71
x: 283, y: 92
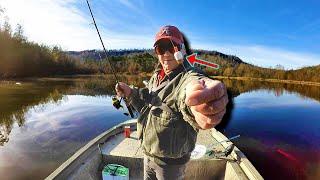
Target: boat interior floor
x: 127, y: 152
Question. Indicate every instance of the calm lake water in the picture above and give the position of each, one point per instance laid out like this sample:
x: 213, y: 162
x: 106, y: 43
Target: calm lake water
x: 44, y: 121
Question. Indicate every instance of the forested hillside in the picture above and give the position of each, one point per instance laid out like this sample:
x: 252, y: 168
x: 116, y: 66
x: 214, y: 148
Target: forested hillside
x: 137, y: 61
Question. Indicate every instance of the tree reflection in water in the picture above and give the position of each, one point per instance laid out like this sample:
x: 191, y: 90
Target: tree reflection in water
x: 17, y: 100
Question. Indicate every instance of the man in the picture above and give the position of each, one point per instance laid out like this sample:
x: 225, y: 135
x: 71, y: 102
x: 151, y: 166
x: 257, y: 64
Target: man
x: 178, y: 102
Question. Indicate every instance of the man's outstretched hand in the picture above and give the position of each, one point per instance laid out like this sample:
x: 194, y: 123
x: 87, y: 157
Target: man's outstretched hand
x: 207, y: 99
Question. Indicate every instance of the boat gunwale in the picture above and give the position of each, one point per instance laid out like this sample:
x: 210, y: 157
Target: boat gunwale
x: 247, y: 167
x: 84, y: 151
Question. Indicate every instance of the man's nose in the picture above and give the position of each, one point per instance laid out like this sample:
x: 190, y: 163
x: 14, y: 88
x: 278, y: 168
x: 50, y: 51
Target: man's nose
x: 167, y: 53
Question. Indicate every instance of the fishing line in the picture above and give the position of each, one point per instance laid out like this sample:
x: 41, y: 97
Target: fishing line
x: 104, y: 49
x: 178, y: 60
x: 115, y: 101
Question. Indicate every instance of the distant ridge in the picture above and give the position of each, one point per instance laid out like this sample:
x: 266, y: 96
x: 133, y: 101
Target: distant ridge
x: 143, y: 60
x: 94, y: 54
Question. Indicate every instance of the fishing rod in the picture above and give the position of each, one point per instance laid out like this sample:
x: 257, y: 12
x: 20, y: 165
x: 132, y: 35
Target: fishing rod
x: 115, y: 101
x: 227, y: 140
x: 227, y: 150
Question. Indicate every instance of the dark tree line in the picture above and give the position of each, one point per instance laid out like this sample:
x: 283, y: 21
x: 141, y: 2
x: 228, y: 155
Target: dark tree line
x: 22, y: 58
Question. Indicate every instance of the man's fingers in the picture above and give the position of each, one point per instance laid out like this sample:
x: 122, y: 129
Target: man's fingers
x: 119, y: 89
x: 191, y: 87
x: 212, y: 107
x: 120, y: 85
x: 217, y: 117
x: 209, y: 120
x: 195, y: 85
x: 212, y: 90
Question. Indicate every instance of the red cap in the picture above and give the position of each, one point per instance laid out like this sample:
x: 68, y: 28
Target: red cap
x: 169, y: 32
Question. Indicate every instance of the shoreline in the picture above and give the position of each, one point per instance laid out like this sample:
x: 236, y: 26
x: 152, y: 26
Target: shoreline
x: 69, y: 76
x: 310, y: 83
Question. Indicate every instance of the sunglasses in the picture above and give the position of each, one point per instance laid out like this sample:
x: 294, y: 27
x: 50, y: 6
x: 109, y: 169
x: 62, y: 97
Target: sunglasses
x: 165, y: 45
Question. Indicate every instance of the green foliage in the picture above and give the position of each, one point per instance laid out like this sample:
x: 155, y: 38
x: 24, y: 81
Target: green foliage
x: 128, y: 64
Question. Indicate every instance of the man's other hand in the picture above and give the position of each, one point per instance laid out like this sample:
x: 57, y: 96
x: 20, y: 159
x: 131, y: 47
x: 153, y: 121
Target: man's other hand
x: 207, y: 99
x: 122, y: 89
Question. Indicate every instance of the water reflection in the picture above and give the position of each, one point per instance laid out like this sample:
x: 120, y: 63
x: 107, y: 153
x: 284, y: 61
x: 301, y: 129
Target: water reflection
x: 279, y: 127
x: 237, y: 87
x: 241, y: 86
x: 18, y: 99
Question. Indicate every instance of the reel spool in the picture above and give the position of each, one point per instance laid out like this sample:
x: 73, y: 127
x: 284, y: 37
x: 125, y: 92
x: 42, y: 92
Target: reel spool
x: 116, y: 102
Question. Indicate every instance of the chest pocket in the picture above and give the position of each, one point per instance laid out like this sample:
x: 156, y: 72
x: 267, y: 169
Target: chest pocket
x: 166, y: 135
x: 165, y: 114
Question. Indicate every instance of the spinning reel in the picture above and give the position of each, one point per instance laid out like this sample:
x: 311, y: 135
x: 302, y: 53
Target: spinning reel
x: 117, y: 104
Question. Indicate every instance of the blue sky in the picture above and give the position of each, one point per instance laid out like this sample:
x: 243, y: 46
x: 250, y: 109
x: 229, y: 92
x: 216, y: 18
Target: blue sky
x: 263, y: 33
